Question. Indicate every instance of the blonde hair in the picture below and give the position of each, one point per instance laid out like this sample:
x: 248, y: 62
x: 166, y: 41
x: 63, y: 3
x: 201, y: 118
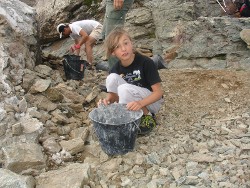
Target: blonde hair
x: 112, y: 40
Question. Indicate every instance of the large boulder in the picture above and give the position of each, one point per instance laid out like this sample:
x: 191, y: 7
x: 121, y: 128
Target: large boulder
x: 18, y: 44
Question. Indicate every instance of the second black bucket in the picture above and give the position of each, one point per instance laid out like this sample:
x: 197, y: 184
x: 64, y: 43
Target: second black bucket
x: 116, y: 128
x: 159, y: 62
x: 74, y: 67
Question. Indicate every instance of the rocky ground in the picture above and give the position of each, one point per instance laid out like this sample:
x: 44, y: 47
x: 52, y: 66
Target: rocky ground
x: 202, y: 139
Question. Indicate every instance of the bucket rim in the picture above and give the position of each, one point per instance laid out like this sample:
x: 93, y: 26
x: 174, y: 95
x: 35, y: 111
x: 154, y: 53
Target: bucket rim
x: 140, y: 115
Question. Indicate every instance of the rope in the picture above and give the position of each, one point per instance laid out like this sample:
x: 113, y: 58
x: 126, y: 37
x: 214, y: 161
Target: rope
x: 221, y: 6
x: 137, y: 125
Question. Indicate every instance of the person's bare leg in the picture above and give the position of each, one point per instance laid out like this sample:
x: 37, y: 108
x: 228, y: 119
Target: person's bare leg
x: 145, y: 110
x: 113, y: 97
x: 88, y: 49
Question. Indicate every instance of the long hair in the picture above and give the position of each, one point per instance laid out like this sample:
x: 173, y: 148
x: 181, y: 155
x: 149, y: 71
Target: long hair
x: 112, y: 40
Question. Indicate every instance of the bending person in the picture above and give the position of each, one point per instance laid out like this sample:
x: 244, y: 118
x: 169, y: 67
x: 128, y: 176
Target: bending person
x: 85, y: 32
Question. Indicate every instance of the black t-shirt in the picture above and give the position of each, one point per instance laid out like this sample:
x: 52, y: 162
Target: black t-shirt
x: 247, y: 2
x: 141, y: 72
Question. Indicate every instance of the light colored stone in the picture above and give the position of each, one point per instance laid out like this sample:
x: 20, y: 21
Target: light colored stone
x: 40, y: 86
x: 73, y: 175
x: 73, y: 146
x: 11, y: 179
x: 244, y: 34
x: 199, y: 157
x: 43, y: 69
x: 51, y: 145
x: 24, y: 157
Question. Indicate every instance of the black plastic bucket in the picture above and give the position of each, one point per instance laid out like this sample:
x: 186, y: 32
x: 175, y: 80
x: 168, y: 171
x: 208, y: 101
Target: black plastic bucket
x: 116, y: 128
x: 74, y: 67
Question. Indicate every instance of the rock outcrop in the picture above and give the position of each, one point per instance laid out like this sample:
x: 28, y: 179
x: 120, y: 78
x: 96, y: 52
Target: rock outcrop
x: 183, y: 33
x: 47, y: 139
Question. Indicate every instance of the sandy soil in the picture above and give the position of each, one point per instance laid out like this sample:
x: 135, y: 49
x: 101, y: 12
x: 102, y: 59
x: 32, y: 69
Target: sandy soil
x: 193, y: 94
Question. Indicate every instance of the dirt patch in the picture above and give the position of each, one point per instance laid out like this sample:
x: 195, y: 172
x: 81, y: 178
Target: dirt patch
x: 193, y: 94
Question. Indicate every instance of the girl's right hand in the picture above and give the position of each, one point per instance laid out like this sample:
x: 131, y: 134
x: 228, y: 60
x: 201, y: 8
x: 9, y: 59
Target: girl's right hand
x: 103, y: 102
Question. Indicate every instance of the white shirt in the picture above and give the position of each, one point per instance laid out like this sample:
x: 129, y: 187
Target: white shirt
x: 86, y: 25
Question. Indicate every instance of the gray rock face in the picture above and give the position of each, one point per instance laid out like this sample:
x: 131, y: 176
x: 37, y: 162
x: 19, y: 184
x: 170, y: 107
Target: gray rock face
x: 47, y: 139
x: 18, y: 48
x: 186, y: 34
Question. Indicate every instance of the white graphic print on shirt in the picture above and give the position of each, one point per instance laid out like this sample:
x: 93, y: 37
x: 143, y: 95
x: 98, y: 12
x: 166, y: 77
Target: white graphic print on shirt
x: 133, y: 78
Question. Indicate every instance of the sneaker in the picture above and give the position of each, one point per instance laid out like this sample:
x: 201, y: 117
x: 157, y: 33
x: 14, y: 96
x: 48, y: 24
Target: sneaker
x: 90, y: 67
x: 147, y: 124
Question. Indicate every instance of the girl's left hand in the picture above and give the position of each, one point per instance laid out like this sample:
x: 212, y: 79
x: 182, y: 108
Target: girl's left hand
x: 103, y: 102
x: 135, y: 105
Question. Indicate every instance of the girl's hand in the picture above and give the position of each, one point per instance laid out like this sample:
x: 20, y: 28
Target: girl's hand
x: 103, y: 102
x: 135, y: 105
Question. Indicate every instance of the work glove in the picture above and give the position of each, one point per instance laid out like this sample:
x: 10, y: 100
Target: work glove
x: 75, y: 49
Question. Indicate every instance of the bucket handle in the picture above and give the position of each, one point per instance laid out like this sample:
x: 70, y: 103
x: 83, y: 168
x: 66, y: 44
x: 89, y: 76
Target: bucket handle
x: 71, y: 67
x: 137, y: 126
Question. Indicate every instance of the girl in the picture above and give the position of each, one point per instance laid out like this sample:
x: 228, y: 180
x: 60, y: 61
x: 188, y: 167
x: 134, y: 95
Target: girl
x: 134, y: 80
